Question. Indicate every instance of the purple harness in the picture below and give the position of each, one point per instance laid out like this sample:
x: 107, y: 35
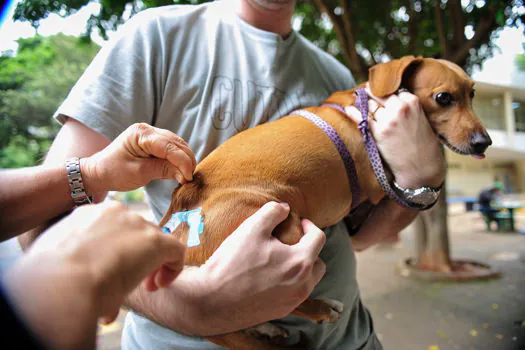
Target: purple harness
x: 341, y: 148
x: 370, y: 145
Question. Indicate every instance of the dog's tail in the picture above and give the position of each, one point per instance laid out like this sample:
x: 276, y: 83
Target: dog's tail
x: 185, y: 197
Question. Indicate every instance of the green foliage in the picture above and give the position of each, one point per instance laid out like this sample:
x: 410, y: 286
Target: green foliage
x: 369, y: 31
x: 32, y: 85
x: 460, y: 31
x: 112, y: 13
x: 520, y: 60
x: 134, y: 196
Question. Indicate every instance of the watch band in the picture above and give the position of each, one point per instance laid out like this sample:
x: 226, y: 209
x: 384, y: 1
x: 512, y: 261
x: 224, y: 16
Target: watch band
x: 422, y: 198
x: 76, y: 185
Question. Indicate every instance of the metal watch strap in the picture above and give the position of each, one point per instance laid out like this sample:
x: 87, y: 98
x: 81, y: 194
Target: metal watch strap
x: 76, y: 185
x: 422, y: 198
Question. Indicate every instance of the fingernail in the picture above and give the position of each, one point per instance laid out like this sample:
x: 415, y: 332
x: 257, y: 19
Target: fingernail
x: 179, y: 177
x: 285, y: 205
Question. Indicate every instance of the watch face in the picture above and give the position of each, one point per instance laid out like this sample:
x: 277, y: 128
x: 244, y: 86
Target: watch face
x: 425, y: 197
x: 417, y: 198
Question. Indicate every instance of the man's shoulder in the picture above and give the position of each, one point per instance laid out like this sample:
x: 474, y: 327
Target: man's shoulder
x: 170, y: 13
x: 326, y: 63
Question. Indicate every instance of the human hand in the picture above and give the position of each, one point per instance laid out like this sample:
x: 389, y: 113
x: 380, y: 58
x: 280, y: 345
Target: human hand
x: 82, y: 268
x: 253, y: 277
x: 140, y: 154
x: 405, y: 139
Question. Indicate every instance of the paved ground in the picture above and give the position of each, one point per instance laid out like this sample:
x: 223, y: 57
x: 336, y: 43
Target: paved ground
x: 416, y: 315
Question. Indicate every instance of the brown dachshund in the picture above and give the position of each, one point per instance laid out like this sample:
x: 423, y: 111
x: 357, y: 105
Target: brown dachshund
x: 291, y: 160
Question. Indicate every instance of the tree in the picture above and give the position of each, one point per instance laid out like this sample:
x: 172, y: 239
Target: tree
x: 28, y: 99
x: 361, y: 34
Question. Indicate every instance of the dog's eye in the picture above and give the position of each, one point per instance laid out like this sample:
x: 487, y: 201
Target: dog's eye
x: 444, y: 98
x: 472, y: 93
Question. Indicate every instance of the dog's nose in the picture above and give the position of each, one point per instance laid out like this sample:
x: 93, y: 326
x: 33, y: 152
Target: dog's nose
x: 480, y: 142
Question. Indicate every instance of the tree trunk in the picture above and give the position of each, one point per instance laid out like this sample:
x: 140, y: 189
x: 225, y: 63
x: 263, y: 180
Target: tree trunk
x: 431, y: 237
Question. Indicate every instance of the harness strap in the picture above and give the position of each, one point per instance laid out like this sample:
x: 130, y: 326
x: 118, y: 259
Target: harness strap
x: 341, y: 148
x: 371, y: 148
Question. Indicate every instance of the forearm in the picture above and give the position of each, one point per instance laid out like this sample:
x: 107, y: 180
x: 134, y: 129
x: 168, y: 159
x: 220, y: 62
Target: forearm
x: 62, y: 316
x: 177, y: 307
x: 386, y: 219
x: 32, y: 196
x: 194, y: 307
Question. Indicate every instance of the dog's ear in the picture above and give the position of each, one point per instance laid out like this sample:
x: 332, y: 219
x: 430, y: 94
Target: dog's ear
x: 386, y: 78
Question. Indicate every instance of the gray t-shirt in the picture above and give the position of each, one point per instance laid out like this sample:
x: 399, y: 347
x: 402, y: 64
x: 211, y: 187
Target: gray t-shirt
x: 203, y: 73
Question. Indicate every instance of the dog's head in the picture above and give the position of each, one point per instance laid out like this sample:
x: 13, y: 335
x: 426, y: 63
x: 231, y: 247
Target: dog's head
x: 445, y: 92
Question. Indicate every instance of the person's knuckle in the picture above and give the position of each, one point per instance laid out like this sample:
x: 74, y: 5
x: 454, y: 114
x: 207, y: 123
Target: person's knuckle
x: 273, y: 207
x: 179, y: 140
x: 403, y: 109
x: 155, y: 239
x: 412, y: 99
x: 141, y: 128
x: 171, y: 146
x: 385, y: 133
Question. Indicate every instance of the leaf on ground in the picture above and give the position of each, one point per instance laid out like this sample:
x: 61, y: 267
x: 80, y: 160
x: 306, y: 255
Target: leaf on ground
x: 473, y: 332
x: 485, y: 325
x: 499, y: 336
x: 442, y: 334
x: 433, y: 347
x: 495, y: 306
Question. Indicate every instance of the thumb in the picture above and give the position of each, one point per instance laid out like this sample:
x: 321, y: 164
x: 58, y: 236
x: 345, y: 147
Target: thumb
x: 313, y: 239
x: 265, y: 219
x: 168, y: 262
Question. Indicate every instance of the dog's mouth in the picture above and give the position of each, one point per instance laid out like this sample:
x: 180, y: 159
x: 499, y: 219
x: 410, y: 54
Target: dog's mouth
x: 457, y: 150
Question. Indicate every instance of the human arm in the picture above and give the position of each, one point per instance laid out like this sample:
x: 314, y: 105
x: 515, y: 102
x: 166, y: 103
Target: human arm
x: 29, y: 197
x: 81, y: 269
x: 387, y: 218
x: 251, y: 278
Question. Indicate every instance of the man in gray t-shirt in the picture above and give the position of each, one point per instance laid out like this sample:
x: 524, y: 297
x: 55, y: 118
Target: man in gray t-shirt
x: 207, y: 72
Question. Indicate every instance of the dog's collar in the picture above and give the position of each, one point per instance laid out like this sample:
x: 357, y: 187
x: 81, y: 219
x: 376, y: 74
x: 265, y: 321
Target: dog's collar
x: 341, y: 148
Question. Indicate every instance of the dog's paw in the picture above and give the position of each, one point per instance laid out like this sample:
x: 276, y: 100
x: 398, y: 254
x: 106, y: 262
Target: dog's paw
x: 269, y: 332
x: 336, y: 307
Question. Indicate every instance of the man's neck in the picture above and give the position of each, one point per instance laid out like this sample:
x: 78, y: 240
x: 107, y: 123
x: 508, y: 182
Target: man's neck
x: 269, y: 15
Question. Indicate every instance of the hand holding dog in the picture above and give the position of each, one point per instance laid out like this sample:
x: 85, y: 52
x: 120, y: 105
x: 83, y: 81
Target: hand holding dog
x: 140, y: 154
x: 83, y: 267
x: 405, y: 139
x: 251, y: 268
x: 250, y: 279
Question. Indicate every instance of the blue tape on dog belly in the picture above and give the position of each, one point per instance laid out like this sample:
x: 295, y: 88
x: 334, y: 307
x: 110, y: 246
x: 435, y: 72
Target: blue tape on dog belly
x: 194, y: 219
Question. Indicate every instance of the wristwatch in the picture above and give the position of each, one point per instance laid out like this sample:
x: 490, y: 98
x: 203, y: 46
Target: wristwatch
x: 76, y: 185
x: 420, y: 198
